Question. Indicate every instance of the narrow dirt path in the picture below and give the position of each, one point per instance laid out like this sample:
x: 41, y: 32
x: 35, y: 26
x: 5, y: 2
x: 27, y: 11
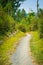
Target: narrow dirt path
x: 22, y: 56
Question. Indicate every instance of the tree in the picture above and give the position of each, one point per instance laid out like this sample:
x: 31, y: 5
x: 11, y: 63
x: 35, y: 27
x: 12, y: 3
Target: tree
x: 17, y: 16
x: 37, y: 7
x: 20, y: 14
x: 41, y: 23
x: 34, y: 23
x: 23, y: 13
x: 7, y: 22
x: 11, y: 5
x: 30, y: 15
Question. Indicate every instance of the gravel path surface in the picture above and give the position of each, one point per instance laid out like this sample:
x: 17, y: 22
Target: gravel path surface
x: 22, y: 54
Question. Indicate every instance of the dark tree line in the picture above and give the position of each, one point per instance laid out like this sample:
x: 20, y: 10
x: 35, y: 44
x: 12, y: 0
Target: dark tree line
x: 8, y: 9
x: 15, y: 18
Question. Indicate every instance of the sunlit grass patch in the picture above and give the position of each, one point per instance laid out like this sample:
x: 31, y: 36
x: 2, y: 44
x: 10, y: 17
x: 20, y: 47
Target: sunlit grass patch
x: 7, y: 47
x: 37, y: 48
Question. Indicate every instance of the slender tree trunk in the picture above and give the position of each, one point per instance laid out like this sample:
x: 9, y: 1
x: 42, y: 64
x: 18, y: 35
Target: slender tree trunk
x: 37, y: 7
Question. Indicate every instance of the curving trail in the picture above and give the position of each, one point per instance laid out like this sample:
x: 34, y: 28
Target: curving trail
x: 22, y: 56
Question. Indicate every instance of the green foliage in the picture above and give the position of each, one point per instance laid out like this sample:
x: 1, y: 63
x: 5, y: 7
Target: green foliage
x: 4, y: 26
x: 29, y: 20
x: 24, y: 25
x: 37, y: 48
x: 41, y: 23
x: 17, y: 17
x: 22, y: 28
x: 13, y: 19
x: 34, y: 23
x: 41, y: 28
x: 8, y: 47
x: 20, y: 14
x: 23, y: 13
x: 11, y: 6
x: 7, y: 23
x: 24, y: 19
x: 13, y: 2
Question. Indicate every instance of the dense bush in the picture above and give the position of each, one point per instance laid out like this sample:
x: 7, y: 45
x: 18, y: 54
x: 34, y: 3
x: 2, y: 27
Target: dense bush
x: 4, y: 26
x: 41, y: 28
x: 7, y: 23
x: 41, y: 23
x: 22, y: 28
x: 37, y: 48
x: 34, y: 24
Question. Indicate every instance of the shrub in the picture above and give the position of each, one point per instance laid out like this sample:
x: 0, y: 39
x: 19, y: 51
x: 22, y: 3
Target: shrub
x: 41, y: 28
x: 7, y: 23
x: 22, y: 28
x: 34, y: 24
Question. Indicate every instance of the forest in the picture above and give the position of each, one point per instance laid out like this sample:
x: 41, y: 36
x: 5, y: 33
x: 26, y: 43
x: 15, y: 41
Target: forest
x: 14, y: 23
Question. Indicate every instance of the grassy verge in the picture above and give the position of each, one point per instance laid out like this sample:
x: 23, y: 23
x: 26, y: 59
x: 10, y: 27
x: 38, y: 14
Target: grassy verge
x: 7, y: 47
x: 37, y: 48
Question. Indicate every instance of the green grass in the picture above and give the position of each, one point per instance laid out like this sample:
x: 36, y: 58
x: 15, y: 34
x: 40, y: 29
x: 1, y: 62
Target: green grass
x: 7, y: 46
x: 37, y: 48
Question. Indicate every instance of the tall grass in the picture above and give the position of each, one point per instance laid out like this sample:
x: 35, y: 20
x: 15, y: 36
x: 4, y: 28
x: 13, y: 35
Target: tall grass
x: 8, y: 46
x: 37, y: 48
